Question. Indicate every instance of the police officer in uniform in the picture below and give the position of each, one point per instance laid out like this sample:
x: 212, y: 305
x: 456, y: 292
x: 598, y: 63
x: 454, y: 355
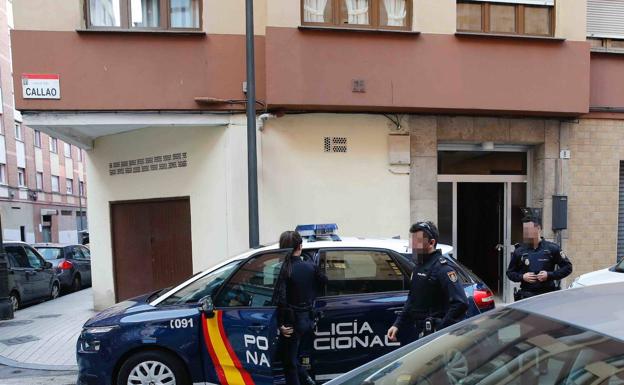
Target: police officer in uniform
x: 535, y: 262
x: 300, y: 280
x: 436, y: 298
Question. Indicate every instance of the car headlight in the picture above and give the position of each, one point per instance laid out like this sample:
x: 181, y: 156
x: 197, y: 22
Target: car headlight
x: 99, y: 330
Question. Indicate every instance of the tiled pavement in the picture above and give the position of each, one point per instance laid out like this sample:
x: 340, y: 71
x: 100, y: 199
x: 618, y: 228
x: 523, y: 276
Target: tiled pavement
x: 44, y: 336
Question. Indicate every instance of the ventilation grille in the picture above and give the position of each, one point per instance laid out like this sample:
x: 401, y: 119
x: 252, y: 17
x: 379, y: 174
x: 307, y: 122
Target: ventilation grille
x: 335, y: 144
x: 151, y: 163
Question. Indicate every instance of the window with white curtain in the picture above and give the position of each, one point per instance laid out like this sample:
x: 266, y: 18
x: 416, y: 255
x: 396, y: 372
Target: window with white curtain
x: 378, y: 14
x: 144, y: 14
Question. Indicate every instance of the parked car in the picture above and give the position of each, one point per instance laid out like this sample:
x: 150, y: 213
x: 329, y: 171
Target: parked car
x: 571, y: 337
x: 611, y: 274
x: 31, y: 278
x: 71, y: 262
x: 180, y: 334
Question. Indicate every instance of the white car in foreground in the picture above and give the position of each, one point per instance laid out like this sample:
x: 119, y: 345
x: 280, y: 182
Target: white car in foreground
x: 612, y: 274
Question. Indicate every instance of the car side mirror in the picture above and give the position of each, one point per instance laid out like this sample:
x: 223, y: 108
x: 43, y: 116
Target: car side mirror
x: 47, y: 265
x: 206, y: 306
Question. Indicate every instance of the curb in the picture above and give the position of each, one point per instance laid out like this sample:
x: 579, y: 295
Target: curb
x: 22, y: 365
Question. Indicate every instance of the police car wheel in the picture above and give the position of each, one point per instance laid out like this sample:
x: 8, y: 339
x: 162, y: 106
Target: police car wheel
x: 152, y: 368
x: 456, y: 366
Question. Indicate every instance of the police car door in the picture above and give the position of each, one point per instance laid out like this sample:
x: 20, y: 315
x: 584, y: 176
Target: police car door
x: 241, y: 336
x: 364, y: 291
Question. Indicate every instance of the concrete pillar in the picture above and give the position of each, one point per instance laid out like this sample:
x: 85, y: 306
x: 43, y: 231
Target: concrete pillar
x: 424, y: 169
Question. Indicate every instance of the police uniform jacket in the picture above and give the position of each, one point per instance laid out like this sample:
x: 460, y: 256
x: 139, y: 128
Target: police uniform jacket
x: 546, y: 257
x: 435, y: 291
x: 298, y: 288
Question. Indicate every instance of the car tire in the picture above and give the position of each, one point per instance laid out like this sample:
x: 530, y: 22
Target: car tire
x: 76, y: 284
x: 15, y: 300
x: 143, y: 366
x: 56, y: 290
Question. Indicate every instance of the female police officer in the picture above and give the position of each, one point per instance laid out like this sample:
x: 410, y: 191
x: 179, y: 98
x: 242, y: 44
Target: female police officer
x: 300, y: 280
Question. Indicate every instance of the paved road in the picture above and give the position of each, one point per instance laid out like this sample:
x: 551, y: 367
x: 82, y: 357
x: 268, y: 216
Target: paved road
x: 14, y: 376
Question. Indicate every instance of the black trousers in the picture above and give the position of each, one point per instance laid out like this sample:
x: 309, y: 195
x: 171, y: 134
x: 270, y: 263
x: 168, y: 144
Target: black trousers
x: 292, y: 346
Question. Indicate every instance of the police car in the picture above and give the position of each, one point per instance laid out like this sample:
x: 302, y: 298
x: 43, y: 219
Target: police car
x: 219, y: 327
x: 612, y: 274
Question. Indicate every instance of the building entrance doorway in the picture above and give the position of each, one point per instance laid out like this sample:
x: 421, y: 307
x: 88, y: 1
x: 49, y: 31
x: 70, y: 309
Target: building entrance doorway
x: 479, y: 199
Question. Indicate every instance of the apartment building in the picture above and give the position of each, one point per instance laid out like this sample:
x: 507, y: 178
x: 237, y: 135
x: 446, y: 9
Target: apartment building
x: 42, y: 179
x: 375, y: 113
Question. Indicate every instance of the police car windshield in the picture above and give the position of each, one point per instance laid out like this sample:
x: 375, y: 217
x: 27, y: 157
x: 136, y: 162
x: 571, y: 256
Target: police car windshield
x: 201, y: 288
x: 506, y: 347
x: 620, y: 267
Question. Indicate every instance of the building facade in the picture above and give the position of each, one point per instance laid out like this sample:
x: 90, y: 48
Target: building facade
x: 373, y: 114
x: 42, y: 179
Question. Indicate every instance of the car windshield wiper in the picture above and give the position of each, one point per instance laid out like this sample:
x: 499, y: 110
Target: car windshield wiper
x: 157, y: 294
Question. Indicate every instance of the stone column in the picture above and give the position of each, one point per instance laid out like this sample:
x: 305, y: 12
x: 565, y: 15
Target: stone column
x: 424, y: 169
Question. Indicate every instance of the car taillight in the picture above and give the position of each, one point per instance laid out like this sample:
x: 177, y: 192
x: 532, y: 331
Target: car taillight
x: 65, y: 265
x: 484, y: 299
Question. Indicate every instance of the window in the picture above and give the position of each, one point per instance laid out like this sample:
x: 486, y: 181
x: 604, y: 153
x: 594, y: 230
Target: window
x: 37, y: 138
x: 17, y: 256
x: 206, y: 285
x: 145, y: 14
x: 382, y: 14
x: 360, y: 271
x: 81, y: 190
x: 55, y: 183
x: 39, y: 179
x: 54, y: 145
x: 80, y: 155
x: 3, y: 176
x: 67, y: 150
x: 21, y: 177
x: 505, y: 18
x: 18, y: 131
x: 70, y: 186
x: 86, y: 253
x: 50, y: 253
x: 33, y: 259
x: 253, y: 284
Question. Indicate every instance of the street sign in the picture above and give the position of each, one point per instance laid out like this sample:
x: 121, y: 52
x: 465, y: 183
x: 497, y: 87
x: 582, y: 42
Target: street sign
x: 41, y: 86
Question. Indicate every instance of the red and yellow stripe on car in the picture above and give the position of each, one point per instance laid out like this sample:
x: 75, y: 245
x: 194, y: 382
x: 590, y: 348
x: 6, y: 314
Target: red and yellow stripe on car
x: 227, y: 365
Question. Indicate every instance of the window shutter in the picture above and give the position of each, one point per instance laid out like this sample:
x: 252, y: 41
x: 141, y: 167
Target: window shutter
x: 605, y: 18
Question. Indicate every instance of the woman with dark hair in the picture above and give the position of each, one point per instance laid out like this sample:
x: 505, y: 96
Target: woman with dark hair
x: 300, y: 280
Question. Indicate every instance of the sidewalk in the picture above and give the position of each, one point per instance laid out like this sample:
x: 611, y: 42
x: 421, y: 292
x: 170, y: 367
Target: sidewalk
x: 44, y: 336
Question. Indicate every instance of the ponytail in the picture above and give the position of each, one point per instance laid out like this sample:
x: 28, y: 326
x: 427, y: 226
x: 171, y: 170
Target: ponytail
x: 289, y: 240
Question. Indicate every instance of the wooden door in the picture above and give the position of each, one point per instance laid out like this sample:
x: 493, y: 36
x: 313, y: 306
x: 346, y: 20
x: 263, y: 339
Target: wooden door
x: 151, y: 245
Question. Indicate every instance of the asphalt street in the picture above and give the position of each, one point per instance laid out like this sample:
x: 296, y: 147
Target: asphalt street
x: 14, y: 376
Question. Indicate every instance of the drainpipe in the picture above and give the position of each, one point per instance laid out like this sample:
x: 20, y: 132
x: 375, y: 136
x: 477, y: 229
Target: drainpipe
x: 252, y: 154
x: 6, y: 308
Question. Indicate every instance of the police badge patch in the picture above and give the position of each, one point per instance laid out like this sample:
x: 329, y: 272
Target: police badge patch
x: 563, y: 256
x: 452, y: 276
x: 527, y: 262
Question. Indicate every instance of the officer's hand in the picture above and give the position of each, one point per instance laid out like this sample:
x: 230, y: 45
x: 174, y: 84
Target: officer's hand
x: 542, y: 276
x: 529, y: 277
x: 286, y: 331
x: 392, y: 332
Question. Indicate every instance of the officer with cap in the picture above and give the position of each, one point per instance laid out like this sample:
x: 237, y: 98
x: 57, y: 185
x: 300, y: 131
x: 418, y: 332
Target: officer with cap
x: 535, y: 262
x: 436, y: 298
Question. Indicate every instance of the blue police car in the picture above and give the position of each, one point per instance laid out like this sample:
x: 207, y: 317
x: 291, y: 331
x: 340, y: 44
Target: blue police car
x: 219, y: 327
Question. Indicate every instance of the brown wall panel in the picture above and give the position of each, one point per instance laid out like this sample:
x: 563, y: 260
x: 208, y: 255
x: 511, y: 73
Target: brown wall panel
x: 607, y: 77
x: 426, y: 72
x: 116, y: 71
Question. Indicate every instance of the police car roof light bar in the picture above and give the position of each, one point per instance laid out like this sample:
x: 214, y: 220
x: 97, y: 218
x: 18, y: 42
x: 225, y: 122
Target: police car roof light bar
x: 316, y: 232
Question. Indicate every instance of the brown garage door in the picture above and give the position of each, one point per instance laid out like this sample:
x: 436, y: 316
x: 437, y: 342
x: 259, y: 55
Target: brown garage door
x: 151, y: 245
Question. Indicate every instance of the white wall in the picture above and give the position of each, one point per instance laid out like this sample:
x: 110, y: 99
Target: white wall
x: 214, y: 156
x: 303, y: 184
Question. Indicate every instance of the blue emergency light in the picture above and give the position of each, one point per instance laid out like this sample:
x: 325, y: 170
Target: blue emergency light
x: 317, y: 232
